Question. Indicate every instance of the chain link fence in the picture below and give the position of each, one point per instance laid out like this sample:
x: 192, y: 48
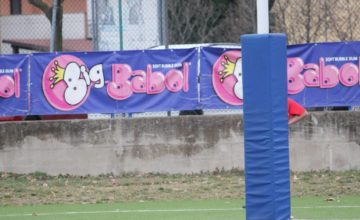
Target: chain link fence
x: 26, y: 28
x: 126, y: 25
x: 87, y: 25
x: 141, y: 24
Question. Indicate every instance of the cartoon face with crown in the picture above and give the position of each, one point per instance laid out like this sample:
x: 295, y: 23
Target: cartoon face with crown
x: 227, y: 78
x: 66, y: 82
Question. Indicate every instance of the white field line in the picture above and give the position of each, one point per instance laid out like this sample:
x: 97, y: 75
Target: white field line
x: 326, y: 207
x: 122, y: 211
x: 169, y: 210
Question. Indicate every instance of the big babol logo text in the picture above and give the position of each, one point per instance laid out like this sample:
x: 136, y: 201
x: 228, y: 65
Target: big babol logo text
x: 321, y: 75
x: 67, y: 81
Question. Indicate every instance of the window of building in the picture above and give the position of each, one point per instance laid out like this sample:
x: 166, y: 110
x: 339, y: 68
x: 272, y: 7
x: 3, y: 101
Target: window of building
x: 15, y: 7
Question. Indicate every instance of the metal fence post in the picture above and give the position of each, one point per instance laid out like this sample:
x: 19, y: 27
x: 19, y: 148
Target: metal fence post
x: 164, y: 24
x: 53, y: 25
x: 94, y: 24
x: 164, y: 30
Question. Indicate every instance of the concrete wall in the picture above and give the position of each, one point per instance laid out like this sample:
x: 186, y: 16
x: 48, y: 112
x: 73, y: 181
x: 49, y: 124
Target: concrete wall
x: 327, y: 140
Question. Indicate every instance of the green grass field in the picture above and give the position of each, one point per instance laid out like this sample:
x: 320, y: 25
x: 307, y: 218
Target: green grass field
x: 302, y: 208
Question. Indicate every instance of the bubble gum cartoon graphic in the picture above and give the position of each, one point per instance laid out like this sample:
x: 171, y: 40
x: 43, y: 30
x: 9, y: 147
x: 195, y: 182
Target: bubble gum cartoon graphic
x: 66, y: 82
x: 227, y: 78
x: 76, y: 87
x: 231, y: 68
x: 10, y: 86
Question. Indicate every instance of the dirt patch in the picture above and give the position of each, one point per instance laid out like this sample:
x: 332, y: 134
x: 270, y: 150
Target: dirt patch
x: 39, y: 188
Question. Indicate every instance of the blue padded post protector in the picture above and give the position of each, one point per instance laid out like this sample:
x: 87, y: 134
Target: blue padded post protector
x: 267, y: 173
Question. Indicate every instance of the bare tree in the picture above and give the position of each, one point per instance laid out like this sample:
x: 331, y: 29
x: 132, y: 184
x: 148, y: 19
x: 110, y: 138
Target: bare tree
x: 302, y: 20
x: 271, y: 4
x: 317, y: 20
x: 279, y: 17
x: 344, y: 19
x: 48, y: 11
x: 199, y: 21
x: 193, y: 21
x: 272, y: 18
x: 352, y: 17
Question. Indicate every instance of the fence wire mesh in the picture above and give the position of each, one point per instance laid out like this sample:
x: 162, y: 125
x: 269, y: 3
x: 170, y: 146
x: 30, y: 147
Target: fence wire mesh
x: 126, y: 25
x: 87, y: 25
x: 142, y: 24
x: 25, y: 25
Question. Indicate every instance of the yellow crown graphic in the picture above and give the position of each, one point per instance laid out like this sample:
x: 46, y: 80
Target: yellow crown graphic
x: 59, y: 74
x: 228, y: 70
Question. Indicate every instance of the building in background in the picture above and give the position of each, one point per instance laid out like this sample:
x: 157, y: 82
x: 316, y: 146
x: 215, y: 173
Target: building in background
x: 24, y: 28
